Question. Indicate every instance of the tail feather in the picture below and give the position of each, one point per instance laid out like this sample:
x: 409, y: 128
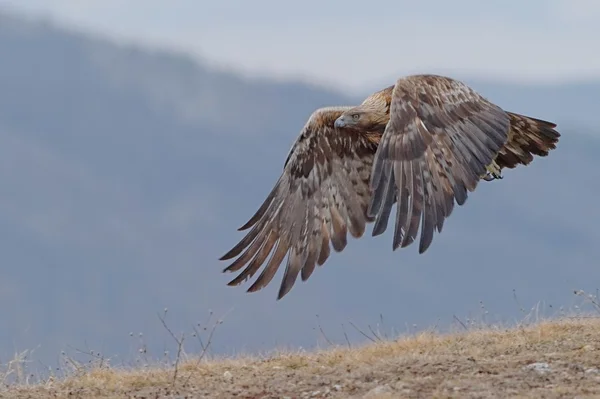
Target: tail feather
x: 528, y: 137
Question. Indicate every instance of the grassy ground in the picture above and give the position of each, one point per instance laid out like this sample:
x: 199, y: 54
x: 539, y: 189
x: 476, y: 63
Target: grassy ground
x: 552, y: 359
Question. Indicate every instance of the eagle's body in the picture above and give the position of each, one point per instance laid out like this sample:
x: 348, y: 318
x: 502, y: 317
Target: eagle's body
x: 423, y: 143
x: 527, y: 136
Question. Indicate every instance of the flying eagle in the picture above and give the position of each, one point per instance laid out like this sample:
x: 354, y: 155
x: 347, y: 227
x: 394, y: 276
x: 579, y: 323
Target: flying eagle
x: 423, y: 143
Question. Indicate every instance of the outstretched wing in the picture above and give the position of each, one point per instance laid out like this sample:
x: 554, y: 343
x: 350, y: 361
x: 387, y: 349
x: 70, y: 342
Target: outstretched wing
x: 322, y: 194
x: 436, y: 146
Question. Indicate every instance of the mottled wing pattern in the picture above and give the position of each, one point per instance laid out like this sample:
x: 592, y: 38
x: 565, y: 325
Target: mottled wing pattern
x: 527, y: 137
x: 436, y: 146
x: 322, y: 194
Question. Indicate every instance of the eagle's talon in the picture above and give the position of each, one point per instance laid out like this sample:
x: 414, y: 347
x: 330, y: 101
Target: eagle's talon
x: 493, y: 172
x: 492, y: 176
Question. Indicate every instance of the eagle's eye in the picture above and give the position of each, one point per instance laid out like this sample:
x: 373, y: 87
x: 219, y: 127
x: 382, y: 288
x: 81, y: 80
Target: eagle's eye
x: 355, y: 117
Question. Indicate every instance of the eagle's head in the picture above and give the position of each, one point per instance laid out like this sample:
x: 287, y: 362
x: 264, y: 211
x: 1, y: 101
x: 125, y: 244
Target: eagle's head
x: 363, y: 118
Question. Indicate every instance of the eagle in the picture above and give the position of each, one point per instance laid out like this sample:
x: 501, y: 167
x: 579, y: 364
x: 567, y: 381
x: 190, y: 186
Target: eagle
x: 422, y: 144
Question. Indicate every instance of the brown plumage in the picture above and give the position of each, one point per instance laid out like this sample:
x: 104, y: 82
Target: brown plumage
x: 322, y: 194
x: 423, y: 143
x: 527, y: 136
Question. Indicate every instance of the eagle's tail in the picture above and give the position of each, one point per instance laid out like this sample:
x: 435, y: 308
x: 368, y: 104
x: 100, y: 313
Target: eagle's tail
x: 527, y: 137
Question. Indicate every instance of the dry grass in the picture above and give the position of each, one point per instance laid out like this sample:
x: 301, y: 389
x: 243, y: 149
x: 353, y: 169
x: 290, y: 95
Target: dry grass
x: 558, y: 358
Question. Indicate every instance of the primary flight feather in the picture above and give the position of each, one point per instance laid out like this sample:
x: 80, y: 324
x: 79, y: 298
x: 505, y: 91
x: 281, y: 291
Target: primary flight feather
x: 423, y: 143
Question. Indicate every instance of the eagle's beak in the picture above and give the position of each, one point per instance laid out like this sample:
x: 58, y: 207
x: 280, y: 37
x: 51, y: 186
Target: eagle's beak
x: 339, y: 122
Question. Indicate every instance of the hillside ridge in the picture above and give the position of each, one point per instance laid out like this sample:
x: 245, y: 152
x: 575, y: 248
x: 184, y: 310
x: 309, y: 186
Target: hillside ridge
x: 552, y: 358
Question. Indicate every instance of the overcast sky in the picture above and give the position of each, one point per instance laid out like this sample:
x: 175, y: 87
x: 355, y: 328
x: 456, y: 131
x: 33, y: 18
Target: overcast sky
x: 357, y: 43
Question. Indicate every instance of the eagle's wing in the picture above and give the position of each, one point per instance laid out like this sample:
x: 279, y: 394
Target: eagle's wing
x: 440, y: 137
x: 322, y: 194
x: 527, y: 137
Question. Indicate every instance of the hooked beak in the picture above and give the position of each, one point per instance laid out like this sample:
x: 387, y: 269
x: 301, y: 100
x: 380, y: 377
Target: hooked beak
x: 339, y: 122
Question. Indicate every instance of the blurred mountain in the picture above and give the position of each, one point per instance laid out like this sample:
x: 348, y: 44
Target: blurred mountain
x: 125, y: 173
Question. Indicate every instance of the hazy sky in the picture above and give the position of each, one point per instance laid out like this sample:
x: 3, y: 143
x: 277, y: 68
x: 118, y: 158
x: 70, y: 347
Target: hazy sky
x: 358, y: 43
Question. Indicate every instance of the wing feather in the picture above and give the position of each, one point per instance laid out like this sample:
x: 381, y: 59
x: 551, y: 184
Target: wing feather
x: 440, y: 137
x: 384, y: 199
x: 321, y: 196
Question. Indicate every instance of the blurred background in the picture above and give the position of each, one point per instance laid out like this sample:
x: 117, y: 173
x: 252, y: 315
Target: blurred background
x: 137, y: 136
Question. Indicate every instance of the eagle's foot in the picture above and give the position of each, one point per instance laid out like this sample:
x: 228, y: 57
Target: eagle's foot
x: 493, y: 172
x: 492, y: 176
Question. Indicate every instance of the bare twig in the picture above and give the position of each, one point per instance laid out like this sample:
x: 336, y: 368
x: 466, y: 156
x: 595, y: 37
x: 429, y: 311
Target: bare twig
x: 374, y: 333
x: 521, y: 308
x: 593, y: 299
x: 484, y: 313
x: 90, y: 353
x: 205, y: 346
x: 382, y: 325
x: 179, y: 342
x: 460, y: 322
x: 346, y: 336
x: 362, y: 332
x: 199, y: 337
x: 323, y: 332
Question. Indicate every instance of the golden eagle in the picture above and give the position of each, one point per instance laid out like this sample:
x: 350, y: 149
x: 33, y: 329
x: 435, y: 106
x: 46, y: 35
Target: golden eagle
x: 423, y: 143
